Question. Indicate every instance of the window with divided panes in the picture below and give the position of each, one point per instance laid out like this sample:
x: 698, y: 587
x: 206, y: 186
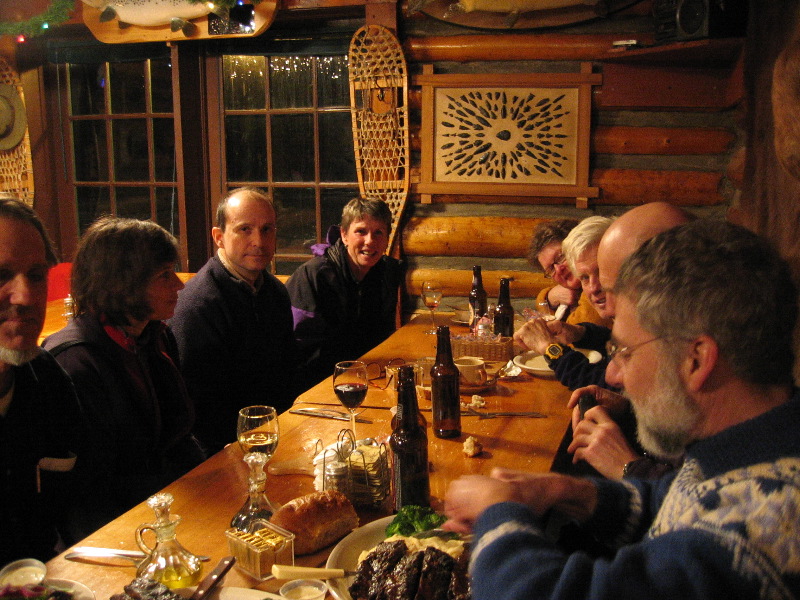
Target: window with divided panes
x: 287, y: 129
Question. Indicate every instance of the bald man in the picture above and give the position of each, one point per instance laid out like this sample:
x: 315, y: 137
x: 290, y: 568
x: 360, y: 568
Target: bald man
x: 233, y: 322
x: 597, y: 438
x: 627, y: 233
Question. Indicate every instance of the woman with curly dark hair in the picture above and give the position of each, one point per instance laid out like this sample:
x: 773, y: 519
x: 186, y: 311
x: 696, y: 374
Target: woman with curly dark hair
x: 123, y: 361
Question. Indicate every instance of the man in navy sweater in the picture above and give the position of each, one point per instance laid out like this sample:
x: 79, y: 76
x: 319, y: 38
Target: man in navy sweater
x: 233, y: 322
x: 727, y: 523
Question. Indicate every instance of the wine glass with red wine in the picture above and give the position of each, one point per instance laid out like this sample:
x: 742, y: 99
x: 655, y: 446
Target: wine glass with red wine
x: 432, y: 296
x: 350, y: 386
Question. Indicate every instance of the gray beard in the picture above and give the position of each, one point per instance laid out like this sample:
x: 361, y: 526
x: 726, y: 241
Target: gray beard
x: 665, y: 423
x: 17, y: 358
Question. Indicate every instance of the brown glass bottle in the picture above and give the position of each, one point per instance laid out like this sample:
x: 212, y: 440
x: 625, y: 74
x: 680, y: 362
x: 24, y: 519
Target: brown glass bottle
x: 409, y: 444
x: 444, y: 388
x: 477, y: 297
x: 504, y: 313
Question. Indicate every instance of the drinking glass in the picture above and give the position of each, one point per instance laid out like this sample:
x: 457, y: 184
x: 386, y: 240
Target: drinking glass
x: 432, y: 296
x: 350, y: 386
x: 257, y: 430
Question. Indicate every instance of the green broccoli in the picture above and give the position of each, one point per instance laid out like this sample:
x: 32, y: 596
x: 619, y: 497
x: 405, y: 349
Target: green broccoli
x: 413, y: 519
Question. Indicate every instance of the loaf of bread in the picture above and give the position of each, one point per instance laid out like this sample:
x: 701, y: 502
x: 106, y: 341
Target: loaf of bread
x: 317, y: 519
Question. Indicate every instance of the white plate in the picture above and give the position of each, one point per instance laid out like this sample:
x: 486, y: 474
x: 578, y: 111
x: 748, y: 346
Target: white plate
x: 78, y: 590
x: 534, y: 363
x: 233, y: 593
x: 345, y: 554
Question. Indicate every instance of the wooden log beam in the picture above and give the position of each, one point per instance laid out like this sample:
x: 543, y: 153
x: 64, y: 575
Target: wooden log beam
x: 684, y: 188
x: 623, y: 187
x: 466, y: 48
x: 658, y: 87
x: 662, y: 140
x: 490, y: 237
x: 458, y: 282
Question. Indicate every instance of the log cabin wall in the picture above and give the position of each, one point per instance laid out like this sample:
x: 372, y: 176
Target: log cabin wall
x: 666, y: 125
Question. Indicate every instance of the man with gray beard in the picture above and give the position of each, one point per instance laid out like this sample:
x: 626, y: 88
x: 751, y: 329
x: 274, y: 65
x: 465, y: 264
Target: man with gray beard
x: 38, y: 406
x: 727, y: 523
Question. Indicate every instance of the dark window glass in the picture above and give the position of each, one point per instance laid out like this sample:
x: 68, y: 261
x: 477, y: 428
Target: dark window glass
x: 293, y: 147
x: 243, y: 82
x: 131, y: 150
x: 92, y: 202
x: 89, y: 144
x: 167, y: 214
x: 87, y: 83
x: 127, y: 88
x: 161, y: 85
x: 133, y: 202
x: 337, y: 160
x: 333, y: 84
x: 164, y: 149
x: 291, y: 82
x: 333, y: 201
x: 246, y: 148
x: 297, y: 221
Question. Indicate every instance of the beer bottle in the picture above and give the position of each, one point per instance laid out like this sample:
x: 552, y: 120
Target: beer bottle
x: 504, y: 313
x: 409, y: 444
x: 477, y: 298
x: 445, y: 400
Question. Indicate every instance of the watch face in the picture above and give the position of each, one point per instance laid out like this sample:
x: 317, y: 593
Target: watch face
x: 554, y: 351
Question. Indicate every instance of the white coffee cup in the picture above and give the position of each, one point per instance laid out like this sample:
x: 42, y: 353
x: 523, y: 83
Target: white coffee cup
x: 472, y: 370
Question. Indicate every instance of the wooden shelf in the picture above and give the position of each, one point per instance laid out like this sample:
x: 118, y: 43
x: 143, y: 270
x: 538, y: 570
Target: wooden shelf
x: 710, y: 53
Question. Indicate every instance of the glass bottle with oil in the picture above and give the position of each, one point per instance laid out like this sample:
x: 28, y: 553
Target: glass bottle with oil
x: 168, y: 562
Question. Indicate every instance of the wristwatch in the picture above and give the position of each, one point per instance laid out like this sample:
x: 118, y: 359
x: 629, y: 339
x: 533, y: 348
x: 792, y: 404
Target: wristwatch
x: 554, y: 351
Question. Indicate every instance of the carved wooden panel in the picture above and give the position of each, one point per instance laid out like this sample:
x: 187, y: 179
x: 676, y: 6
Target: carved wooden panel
x: 519, y: 134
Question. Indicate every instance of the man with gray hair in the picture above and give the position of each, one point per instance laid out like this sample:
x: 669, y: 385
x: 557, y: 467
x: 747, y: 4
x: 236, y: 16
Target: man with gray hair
x: 727, y: 523
x: 39, y: 413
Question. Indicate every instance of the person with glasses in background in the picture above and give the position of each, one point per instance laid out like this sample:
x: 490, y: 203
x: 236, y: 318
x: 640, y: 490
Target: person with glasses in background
x: 564, y: 299
x: 709, y: 375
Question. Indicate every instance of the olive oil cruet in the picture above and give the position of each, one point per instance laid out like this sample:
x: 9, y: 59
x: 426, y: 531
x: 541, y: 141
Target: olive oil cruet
x: 168, y: 562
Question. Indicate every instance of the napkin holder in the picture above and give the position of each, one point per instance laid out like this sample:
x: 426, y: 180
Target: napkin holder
x: 256, y: 551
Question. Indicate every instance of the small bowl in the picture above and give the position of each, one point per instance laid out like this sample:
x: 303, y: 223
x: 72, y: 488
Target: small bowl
x: 23, y: 572
x: 304, y: 589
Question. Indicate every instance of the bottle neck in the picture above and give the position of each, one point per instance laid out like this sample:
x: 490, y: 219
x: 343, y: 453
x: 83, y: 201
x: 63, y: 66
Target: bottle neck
x: 504, y: 297
x: 444, y: 353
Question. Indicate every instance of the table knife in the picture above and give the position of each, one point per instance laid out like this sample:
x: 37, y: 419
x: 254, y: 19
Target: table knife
x: 211, y: 580
x: 92, y: 552
x: 297, y: 572
x: 327, y: 413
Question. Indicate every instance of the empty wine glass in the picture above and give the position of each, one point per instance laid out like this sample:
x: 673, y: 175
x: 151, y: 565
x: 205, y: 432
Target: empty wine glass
x: 432, y: 296
x: 350, y: 386
x: 257, y: 430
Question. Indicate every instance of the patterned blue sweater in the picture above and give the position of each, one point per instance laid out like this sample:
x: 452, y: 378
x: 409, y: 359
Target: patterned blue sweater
x: 726, y: 525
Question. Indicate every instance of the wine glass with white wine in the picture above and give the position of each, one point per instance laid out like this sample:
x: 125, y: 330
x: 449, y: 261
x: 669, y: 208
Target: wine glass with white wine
x: 432, y: 296
x: 257, y: 430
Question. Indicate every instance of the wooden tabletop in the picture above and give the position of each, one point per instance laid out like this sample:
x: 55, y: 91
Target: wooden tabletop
x: 207, y: 497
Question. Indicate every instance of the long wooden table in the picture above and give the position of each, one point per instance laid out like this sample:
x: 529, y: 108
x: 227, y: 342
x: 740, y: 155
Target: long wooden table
x: 207, y: 497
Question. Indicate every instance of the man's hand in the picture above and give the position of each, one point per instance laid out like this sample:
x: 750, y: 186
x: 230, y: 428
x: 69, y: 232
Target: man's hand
x: 558, y: 294
x: 470, y: 495
x: 615, y: 404
x: 598, y: 440
x: 534, y: 335
x: 565, y: 333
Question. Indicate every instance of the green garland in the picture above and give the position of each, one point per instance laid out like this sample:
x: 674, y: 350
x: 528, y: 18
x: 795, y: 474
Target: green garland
x: 57, y: 13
